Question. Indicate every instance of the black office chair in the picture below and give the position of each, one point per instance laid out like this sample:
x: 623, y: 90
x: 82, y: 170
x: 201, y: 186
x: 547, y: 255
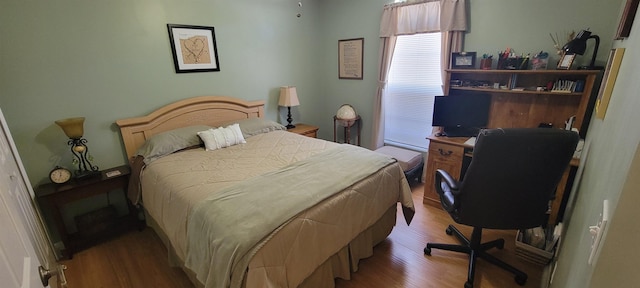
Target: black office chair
x: 508, y: 184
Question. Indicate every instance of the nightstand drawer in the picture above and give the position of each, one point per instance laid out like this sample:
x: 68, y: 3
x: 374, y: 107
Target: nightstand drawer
x: 305, y: 130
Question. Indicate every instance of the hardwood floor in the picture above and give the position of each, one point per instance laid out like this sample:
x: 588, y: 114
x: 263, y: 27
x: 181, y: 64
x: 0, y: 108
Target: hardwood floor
x: 139, y: 259
x: 399, y: 261
x: 136, y: 259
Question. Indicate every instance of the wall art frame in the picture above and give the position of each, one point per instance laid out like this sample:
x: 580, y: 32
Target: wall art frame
x: 194, y: 48
x: 626, y: 19
x: 350, y: 58
x: 463, y: 60
x: 608, y: 81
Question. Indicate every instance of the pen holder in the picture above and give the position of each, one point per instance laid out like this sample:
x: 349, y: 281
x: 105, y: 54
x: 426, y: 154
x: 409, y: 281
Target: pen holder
x: 539, y: 63
x: 513, y: 63
x: 485, y: 63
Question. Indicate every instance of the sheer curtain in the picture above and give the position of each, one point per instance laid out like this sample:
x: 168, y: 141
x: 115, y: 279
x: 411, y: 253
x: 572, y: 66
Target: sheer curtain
x: 446, y: 16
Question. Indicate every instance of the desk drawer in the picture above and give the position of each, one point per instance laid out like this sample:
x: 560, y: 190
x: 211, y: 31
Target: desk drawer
x: 445, y: 152
x: 441, y: 156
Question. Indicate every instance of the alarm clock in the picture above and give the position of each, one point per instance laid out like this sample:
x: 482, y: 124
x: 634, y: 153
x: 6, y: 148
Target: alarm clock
x: 60, y: 175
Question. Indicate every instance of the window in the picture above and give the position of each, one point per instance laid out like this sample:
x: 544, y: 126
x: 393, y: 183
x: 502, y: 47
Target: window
x: 414, y: 80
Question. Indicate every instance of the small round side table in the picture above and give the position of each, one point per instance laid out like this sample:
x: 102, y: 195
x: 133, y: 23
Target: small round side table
x: 347, y: 124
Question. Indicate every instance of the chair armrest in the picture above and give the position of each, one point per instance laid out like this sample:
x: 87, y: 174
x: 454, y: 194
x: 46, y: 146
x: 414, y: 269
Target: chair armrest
x: 447, y: 188
x: 450, y: 181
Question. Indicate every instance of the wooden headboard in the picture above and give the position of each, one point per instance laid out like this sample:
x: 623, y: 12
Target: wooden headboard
x: 203, y: 110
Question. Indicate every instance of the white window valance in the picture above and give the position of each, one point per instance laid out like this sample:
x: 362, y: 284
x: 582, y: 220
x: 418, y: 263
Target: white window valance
x: 423, y: 17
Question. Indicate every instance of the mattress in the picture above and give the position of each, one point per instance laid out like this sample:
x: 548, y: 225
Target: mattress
x: 174, y: 184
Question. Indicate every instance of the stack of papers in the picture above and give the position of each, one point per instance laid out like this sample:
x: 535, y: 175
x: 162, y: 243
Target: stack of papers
x: 471, y: 141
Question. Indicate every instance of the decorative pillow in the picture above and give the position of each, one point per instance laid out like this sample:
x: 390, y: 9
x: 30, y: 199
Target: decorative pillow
x: 222, y: 137
x: 255, y: 126
x: 170, y: 141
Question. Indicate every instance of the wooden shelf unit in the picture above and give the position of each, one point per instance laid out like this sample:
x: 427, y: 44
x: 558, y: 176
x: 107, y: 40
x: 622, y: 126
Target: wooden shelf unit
x: 528, y: 108
x: 513, y: 109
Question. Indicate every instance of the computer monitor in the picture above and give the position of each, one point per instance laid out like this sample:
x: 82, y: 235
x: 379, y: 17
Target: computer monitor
x: 462, y: 114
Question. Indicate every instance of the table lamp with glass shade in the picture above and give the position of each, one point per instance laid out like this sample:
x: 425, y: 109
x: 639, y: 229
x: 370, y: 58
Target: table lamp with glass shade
x: 73, y: 128
x: 288, y: 98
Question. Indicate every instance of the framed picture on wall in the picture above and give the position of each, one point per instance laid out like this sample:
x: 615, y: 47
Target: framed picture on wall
x: 626, y: 20
x: 350, y: 58
x: 608, y: 81
x: 194, y: 48
x: 463, y: 60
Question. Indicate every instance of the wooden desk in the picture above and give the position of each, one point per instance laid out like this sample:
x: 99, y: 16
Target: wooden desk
x: 453, y: 155
x: 54, y: 197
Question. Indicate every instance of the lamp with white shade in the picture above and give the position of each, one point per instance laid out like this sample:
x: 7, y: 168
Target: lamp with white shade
x: 288, y: 98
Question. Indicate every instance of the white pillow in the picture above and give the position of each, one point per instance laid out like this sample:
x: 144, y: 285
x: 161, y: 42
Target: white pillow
x: 222, y: 137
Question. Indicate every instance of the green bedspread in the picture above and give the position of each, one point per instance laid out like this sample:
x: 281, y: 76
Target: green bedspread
x: 223, y: 229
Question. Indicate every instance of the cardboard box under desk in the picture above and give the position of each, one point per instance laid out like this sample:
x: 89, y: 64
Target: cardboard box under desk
x: 532, y: 254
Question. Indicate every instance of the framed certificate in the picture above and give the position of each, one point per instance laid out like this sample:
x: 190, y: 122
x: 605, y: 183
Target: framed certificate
x: 350, y: 58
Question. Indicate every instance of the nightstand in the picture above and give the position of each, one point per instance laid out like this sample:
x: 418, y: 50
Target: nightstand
x: 306, y: 130
x: 53, y: 197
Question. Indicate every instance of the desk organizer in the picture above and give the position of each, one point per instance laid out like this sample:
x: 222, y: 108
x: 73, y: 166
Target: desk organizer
x: 513, y: 63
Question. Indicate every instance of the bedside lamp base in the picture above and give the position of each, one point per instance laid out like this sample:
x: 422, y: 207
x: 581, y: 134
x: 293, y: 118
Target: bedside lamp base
x: 289, y: 125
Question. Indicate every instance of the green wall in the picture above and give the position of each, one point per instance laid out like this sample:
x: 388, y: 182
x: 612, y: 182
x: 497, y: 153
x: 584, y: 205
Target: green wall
x: 107, y: 60
x: 613, y: 142
x: 525, y: 26
x: 347, y: 20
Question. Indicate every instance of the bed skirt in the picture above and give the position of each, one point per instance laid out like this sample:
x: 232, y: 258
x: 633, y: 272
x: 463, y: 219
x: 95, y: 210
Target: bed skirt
x: 339, y: 265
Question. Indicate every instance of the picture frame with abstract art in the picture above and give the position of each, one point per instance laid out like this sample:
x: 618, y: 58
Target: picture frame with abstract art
x: 194, y: 48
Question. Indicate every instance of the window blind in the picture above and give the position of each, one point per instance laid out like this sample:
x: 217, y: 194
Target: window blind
x: 414, y: 80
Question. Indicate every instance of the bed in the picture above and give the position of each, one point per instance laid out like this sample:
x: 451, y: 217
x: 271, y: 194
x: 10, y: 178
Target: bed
x: 269, y: 209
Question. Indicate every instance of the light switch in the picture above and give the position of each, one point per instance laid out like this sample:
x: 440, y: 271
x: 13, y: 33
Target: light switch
x: 597, y: 230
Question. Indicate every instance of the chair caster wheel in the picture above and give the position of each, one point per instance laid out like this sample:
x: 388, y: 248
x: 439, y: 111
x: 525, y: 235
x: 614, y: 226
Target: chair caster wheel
x: 521, y: 280
x: 468, y: 285
x: 427, y: 251
x: 449, y: 231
